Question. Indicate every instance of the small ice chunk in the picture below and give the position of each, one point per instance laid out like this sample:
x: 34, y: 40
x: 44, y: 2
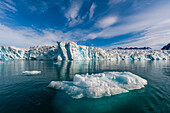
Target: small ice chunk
x: 78, y: 78
x: 100, y: 85
x: 31, y: 72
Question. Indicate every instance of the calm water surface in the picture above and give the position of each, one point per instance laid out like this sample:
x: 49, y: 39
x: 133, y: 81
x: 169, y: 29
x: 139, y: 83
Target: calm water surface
x: 29, y: 94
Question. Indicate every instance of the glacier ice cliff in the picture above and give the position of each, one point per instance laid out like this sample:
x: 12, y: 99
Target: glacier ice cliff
x: 100, y: 85
x: 72, y: 51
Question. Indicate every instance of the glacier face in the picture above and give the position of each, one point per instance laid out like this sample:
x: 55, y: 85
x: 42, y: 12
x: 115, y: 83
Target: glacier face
x: 72, y: 51
x: 7, y: 53
x: 100, y: 85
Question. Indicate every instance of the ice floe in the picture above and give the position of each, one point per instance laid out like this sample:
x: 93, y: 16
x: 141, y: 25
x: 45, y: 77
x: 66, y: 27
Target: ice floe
x: 100, y: 85
x: 31, y: 72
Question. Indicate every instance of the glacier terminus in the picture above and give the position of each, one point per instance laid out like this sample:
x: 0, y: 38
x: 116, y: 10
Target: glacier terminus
x: 72, y: 51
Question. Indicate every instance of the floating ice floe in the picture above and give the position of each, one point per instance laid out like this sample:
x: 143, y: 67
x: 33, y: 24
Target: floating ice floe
x: 100, y: 85
x: 31, y: 72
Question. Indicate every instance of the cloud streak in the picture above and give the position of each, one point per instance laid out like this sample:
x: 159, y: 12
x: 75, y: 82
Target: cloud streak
x: 92, y: 8
x: 106, y: 22
x: 116, y: 1
x: 7, y: 6
x: 151, y: 21
x: 72, y: 13
x: 156, y: 36
x: 26, y: 36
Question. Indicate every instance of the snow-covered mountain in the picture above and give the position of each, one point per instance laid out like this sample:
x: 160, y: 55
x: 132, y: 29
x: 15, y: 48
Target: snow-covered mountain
x: 167, y: 47
x: 72, y: 51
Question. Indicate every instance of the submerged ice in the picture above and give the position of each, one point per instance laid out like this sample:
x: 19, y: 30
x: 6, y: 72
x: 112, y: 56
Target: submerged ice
x: 100, y: 85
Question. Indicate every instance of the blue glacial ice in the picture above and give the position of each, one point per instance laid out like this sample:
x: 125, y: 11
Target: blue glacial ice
x: 72, y: 51
x: 100, y: 85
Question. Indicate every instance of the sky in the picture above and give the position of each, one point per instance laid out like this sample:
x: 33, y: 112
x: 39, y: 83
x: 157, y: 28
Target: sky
x: 100, y: 23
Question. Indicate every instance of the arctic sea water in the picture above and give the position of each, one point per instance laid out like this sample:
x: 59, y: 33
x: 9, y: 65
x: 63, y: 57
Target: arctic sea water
x: 20, y: 93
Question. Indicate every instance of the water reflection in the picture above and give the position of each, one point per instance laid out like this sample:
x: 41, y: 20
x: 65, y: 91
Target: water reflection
x: 150, y: 99
x: 15, y: 87
x: 65, y: 70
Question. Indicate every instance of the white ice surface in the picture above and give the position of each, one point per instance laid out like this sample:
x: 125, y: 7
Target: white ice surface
x: 55, y: 63
x: 100, y: 85
x: 31, y: 72
x: 72, y: 51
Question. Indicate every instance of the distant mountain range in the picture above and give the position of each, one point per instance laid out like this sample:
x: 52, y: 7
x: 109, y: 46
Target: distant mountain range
x: 167, y: 47
x: 132, y: 48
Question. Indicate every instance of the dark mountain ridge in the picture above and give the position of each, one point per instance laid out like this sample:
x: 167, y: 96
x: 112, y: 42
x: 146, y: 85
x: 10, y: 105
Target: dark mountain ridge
x: 166, y: 47
x: 133, y: 48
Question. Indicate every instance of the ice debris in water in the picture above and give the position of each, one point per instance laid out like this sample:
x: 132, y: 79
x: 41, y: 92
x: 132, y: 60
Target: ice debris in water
x: 100, y: 85
x: 31, y: 72
x: 55, y: 63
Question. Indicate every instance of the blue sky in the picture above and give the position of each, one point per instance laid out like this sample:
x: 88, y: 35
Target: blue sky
x: 99, y: 23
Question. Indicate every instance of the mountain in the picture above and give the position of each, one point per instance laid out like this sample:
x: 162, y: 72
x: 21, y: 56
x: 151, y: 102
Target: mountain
x: 167, y: 47
x: 141, y: 48
x: 72, y: 51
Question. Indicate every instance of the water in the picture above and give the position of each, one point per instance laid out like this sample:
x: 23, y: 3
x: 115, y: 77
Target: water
x: 29, y: 94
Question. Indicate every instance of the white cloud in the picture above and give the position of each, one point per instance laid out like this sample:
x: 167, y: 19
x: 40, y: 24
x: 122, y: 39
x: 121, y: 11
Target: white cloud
x: 106, y: 22
x: 137, y: 22
x: 26, y: 37
x: 116, y: 1
x: 156, y: 36
x: 150, y: 20
x: 39, y: 6
x: 32, y: 8
x: 154, y: 21
x: 92, y: 8
x: 76, y: 21
x: 7, y: 6
x: 10, y: 2
x: 22, y: 37
x: 72, y: 13
x: 10, y: 7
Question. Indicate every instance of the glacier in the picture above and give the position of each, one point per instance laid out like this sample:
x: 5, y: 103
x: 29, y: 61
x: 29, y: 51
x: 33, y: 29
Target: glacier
x: 100, y: 85
x: 72, y: 51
